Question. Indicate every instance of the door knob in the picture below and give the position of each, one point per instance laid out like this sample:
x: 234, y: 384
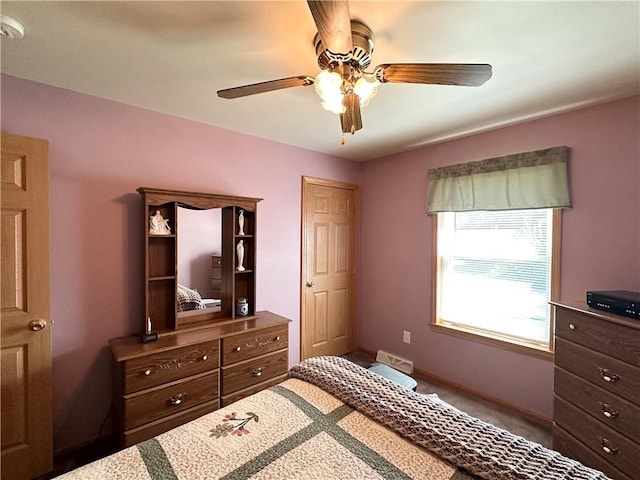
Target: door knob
x: 37, y: 325
x: 311, y: 284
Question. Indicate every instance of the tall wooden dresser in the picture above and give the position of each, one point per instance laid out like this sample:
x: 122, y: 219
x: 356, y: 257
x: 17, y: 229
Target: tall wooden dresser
x: 596, y: 417
x: 190, y: 372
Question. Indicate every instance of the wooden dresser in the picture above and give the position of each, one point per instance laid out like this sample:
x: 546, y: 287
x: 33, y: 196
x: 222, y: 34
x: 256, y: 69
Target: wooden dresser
x: 190, y: 372
x: 596, y: 417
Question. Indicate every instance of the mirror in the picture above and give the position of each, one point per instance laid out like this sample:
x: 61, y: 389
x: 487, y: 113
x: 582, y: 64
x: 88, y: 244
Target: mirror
x: 199, y: 237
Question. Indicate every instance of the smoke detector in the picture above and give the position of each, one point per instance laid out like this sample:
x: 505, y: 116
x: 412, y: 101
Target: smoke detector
x: 10, y: 27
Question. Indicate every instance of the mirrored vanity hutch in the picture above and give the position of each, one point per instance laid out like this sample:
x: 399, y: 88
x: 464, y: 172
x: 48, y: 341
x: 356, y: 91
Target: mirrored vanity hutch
x: 188, y: 363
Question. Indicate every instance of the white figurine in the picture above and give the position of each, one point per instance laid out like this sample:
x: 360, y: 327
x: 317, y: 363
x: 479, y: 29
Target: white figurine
x: 240, y: 252
x: 158, y: 225
x: 241, y: 222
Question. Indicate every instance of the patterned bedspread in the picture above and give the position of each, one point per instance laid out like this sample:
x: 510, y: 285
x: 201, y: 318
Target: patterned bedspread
x: 335, y: 420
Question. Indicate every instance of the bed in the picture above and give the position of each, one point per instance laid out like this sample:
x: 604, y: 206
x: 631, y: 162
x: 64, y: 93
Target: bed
x: 332, y: 419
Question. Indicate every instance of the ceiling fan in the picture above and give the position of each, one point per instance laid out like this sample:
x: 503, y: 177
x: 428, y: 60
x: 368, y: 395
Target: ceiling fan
x: 344, y: 47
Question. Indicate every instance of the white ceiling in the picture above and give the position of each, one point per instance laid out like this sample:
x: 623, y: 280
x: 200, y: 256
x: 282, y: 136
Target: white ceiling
x: 172, y: 57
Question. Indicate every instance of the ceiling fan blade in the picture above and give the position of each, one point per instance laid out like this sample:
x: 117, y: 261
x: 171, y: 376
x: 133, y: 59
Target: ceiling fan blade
x: 262, y: 87
x: 465, y: 74
x: 351, y: 120
x: 333, y: 22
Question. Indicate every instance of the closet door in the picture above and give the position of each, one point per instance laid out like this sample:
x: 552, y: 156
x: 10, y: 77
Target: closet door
x: 329, y: 253
x: 25, y: 358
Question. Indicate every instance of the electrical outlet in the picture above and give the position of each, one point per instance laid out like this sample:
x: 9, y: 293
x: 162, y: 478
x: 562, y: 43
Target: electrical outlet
x: 406, y: 336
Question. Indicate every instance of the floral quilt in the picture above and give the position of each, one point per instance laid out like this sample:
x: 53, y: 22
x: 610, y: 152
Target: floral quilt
x: 294, y: 430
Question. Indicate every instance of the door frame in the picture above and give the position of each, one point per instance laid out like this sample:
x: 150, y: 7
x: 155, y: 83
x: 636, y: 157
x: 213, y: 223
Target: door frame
x: 306, y: 180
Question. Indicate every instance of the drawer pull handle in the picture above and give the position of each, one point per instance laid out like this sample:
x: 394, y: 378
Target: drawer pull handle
x: 572, y: 326
x: 607, y: 375
x: 277, y: 339
x: 607, y: 447
x: 177, y: 400
x: 256, y: 372
x: 607, y: 411
x: 237, y: 349
x: 205, y: 358
x: 147, y: 372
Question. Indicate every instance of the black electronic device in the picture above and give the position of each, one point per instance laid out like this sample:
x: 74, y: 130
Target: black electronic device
x: 619, y: 302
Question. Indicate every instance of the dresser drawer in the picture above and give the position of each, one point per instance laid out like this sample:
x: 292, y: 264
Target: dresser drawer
x: 149, y: 405
x: 616, y: 449
x: 240, y: 394
x: 615, y: 340
x: 604, y: 371
x: 571, y: 447
x: 608, y: 408
x: 252, y: 372
x: 254, y: 343
x: 153, y: 429
x: 166, y: 366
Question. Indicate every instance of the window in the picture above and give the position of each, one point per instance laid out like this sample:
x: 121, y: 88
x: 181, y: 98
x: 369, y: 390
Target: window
x: 495, y: 274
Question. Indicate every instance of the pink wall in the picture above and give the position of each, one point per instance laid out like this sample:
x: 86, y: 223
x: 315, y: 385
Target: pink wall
x: 100, y: 152
x: 600, y: 243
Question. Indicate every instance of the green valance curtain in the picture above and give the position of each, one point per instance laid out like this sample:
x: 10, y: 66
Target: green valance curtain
x: 524, y: 180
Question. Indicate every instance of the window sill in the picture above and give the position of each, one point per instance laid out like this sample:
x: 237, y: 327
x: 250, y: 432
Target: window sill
x: 485, y: 338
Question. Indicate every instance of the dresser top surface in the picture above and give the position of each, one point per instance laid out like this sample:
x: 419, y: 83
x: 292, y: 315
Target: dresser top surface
x: 126, y: 348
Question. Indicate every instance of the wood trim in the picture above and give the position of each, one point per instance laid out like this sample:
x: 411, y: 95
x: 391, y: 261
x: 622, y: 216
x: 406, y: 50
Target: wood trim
x: 512, y: 408
x: 556, y: 261
x: 304, y: 238
x: 435, y: 268
x: 201, y: 200
x: 329, y: 183
x: 306, y: 180
x: 493, y: 340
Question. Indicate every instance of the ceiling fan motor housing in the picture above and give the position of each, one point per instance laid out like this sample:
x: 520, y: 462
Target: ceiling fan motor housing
x: 359, y: 57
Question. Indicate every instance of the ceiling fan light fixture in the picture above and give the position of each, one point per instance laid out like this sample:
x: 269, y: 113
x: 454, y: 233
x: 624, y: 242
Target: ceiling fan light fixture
x: 328, y: 86
x: 366, y: 87
x: 334, y: 105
